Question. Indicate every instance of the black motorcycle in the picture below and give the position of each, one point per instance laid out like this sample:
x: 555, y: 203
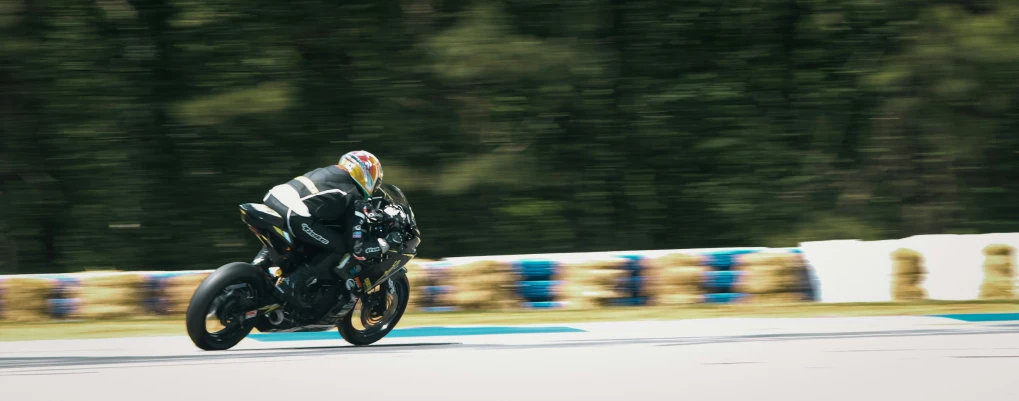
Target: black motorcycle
x: 238, y: 297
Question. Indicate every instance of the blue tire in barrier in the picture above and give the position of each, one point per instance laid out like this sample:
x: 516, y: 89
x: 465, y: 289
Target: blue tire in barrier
x: 723, y: 298
x: 66, y: 287
x: 632, y: 301
x: 536, y: 270
x: 156, y: 305
x: 634, y: 264
x: 155, y: 301
x: 439, y: 309
x: 633, y: 286
x: 544, y: 305
x: 725, y: 260
x: 538, y: 291
x: 721, y: 280
x: 810, y: 293
x: 432, y: 291
x: 63, y: 307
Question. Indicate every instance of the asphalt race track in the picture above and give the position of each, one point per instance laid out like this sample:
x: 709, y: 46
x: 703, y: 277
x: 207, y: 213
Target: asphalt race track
x: 890, y: 358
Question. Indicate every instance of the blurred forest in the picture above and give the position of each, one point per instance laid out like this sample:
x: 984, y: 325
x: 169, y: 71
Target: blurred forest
x: 132, y: 129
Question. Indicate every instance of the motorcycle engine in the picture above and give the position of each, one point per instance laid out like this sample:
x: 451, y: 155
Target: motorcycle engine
x: 321, y: 297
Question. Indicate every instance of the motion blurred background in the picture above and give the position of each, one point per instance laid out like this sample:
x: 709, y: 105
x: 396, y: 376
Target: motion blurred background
x: 132, y: 129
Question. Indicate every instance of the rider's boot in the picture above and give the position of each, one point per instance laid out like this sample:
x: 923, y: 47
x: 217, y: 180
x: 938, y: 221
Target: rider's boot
x: 292, y: 287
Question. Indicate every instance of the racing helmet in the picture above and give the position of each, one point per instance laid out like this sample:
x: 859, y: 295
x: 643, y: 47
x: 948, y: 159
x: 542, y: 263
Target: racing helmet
x: 364, y: 168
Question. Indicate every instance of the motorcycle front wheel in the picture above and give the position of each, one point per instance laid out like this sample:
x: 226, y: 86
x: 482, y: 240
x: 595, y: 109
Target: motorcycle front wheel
x: 378, y: 312
x: 223, y: 309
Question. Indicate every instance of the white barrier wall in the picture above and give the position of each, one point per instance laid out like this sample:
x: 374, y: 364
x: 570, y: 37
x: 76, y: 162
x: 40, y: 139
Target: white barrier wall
x: 861, y: 271
x: 850, y: 270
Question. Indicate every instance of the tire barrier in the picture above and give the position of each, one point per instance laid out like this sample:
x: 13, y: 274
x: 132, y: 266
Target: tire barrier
x: 498, y: 284
x: 915, y: 268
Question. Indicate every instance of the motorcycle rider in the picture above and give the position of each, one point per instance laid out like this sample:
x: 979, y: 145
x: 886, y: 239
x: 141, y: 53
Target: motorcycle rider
x: 314, y: 204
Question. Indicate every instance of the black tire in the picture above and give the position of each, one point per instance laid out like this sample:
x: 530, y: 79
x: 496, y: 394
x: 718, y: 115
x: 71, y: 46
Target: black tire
x: 212, y: 288
x: 401, y: 290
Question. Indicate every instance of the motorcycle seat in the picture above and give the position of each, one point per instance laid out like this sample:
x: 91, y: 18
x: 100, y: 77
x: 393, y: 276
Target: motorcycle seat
x: 262, y: 216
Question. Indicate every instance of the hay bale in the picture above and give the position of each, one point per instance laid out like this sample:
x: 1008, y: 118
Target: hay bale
x: 471, y: 300
x: 908, y: 273
x: 675, y: 279
x: 479, y: 268
x: 675, y: 299
x: 591, y: 284
x: 999, y: 273
x: 679, y: 280
x: 774, y: 298
x: 414, y: 302
x: 593, y: 276
x: 418, y: 274
x: 490, y: 276
x: 481, y: 285
x: 180, y: 289
x: 674, y: 260
x: 997, y: 288
x: 683, y: 276
x: 770, y: 273
x: 790, y: 261
x: 496, y: 282
x: 505, y: 305
x: 1000, y: 265
x: 483, y: 300
x: 585, y: 295
x: 27, y: 298
x: 909, y: 279
x: 419, y: 278
x: 907, y: 262
x: 599, y: 264
x: 578, y: 290
x: 999, y: 250
x: 112, y: 296
x: 908, y: 293
x: 579, y: 304
x: 599, y: 272
x: 771, y: 277
x: 767, y: 279
x: 907, y: 287
x: 676, y: 282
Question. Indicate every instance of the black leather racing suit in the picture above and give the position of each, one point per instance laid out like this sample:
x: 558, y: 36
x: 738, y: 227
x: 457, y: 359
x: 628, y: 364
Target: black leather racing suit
x: 323, y: 208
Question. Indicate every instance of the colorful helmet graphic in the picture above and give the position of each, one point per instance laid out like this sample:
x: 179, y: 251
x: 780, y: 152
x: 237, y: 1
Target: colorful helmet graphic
x: 364, y: 168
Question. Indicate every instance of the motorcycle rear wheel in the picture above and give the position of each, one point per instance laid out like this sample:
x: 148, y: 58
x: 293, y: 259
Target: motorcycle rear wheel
x: 225, y: 297
x: 394, y: 295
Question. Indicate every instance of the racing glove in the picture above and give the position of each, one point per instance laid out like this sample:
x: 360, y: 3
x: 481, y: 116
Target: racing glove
x: 365, y: 245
